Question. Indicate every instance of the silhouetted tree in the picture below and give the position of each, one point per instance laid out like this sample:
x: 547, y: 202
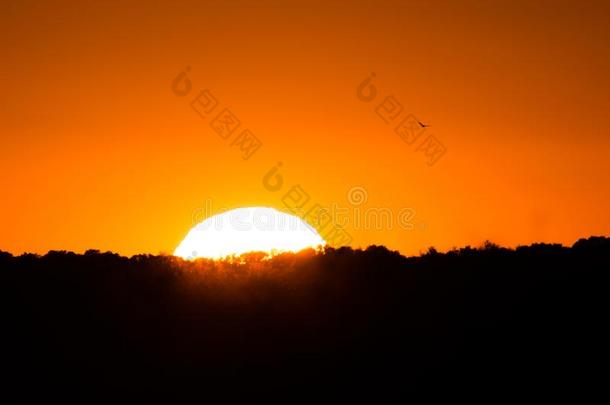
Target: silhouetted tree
x: 342, y: 321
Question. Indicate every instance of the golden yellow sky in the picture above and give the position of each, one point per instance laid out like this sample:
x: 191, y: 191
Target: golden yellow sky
x: 97, y: 150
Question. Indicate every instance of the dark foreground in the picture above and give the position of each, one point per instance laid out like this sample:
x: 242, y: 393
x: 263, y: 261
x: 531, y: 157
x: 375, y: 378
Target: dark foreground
x: 490, y: 323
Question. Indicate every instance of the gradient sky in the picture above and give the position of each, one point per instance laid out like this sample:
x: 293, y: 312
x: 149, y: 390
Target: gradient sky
x: 96, y: 150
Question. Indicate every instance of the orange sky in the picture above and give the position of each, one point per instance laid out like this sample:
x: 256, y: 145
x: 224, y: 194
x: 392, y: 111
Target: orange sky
x: 96, y: 150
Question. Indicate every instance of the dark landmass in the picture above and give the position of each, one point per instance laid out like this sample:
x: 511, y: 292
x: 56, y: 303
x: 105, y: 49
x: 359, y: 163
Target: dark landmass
x: 346, y: 324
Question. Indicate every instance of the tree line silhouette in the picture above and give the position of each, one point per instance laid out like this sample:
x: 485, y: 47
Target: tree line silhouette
x: 339, y: 324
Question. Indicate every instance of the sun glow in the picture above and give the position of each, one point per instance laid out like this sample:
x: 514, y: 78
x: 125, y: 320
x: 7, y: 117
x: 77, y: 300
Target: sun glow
x: 243, y: 230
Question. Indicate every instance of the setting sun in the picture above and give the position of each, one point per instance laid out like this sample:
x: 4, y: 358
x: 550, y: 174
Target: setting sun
x: 243, y: 230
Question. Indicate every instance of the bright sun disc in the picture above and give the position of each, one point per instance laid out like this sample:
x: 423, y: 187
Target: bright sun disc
x: 243, y: 230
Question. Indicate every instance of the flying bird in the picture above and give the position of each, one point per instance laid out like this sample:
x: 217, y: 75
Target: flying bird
x: 422, y: 124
